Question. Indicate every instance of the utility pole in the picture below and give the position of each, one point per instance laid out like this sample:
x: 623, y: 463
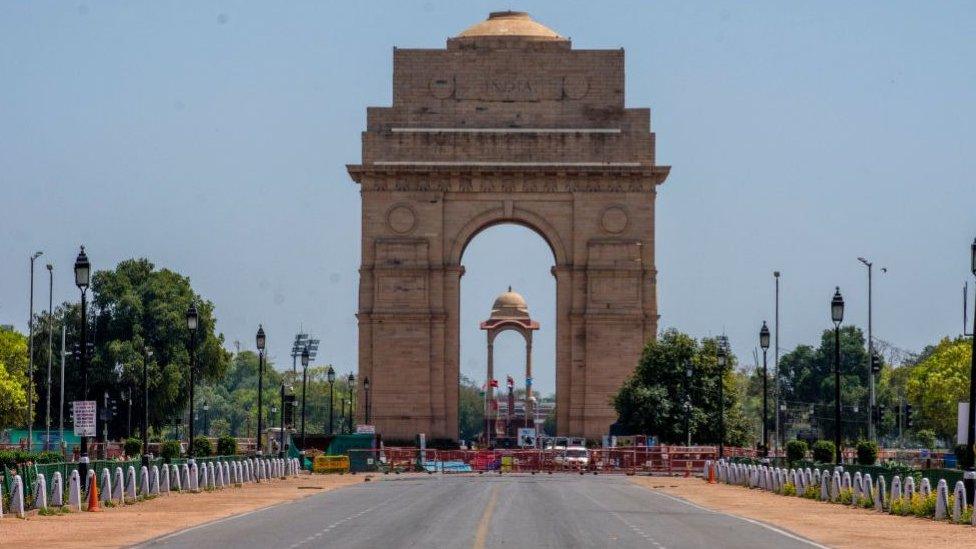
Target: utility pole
x: 50, y: 356
x: 64, y: 330
x: 30, y: 367
x: 871, y: 431
x: 779, y: 434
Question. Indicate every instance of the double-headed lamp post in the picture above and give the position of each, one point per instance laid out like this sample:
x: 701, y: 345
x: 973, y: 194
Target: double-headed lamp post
x: 330, y: 375
x: 351, y: 383
x: 970, y: 475
x: 192, y: 323
x: 82, y: 280
x: 764, y: 343
x: 366, y: 391
x: 688, y: 374
x: 305, y: 358
x: 260, y: 341
x: 837, y: 315
x: 721, y: 360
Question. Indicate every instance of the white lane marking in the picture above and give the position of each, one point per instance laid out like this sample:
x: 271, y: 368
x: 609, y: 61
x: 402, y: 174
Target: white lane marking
x: 744, y: 519
x: 632, y: 526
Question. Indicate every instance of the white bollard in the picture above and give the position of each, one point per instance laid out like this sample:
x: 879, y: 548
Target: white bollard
x: 185, y: 478
x: 219, y: 481
x: 959, y: 501
x: 941, y: 500
x: 868, y: 487
x: 74, y: 491
x: 106, y: 485
x: 835, y: 486
x: 40, y: 492
x: 118, y: 490
x: 881, y: 499
x: 57, y: 489
x: 896, y: 488
x: 130, y: 484
x: 144, y: 481
x: 211, y: 482
x: 909, y: 487
x: 202, y: 477
x: 17, y: 497
x: 164, y: 479
x: 194, y: 477
x: 925, y: 487
x: 154, y: 481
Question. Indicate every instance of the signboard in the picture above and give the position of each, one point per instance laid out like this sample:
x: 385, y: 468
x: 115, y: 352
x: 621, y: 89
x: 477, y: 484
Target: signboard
x: 962, y: 423
x: 365, y: 430
x: 84, y: 416
x: 526, y: 437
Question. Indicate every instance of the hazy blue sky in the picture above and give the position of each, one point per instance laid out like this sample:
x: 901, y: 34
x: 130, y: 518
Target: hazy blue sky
x: 211, y: 137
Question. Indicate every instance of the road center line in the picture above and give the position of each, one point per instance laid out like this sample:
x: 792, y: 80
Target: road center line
x: 482, y: 533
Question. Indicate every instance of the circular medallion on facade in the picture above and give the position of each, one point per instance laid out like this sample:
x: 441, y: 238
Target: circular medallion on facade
x: 576, y: 86
x: 614, y: 219
x: 442, y: 88
x: 401, y: 219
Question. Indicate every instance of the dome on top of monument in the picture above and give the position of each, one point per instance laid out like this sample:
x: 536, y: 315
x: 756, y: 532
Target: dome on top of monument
x: 510, y: 23
x: 510, y: 305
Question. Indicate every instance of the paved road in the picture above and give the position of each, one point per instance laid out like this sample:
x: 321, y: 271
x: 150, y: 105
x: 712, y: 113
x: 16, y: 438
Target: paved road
x: 485, y: 511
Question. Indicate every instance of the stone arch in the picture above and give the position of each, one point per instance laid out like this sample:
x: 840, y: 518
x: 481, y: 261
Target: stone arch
x: 498, y: 216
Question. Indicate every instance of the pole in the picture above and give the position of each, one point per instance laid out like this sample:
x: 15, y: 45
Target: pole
x: 193, y: 345
x: 50, y: 355
x: 871, y: 427
x: 765, y: 432
x: 331, y: 405
x: 970, y: 475
x: 83, y: 350
x: 304, y: 384
x: 30, y: 368
x: 281, y: 428
x: 776, y: 428
x: 145, y: 407
x: 837, y: 425
x: 61, y: 404
x: 366, y: 390
x: 260, y: 398
x: 721, y: 413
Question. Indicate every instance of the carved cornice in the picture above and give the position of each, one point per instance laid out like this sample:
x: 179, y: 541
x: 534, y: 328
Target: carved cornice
x: 505, y: 179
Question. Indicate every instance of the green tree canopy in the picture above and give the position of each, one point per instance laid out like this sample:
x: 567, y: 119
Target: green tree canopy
x: 13, y: 378
x: 937, y: 383
x: 652, y: 400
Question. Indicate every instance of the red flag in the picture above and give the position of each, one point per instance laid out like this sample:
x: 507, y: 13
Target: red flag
x: 511, y: 382
x: 494, y: 383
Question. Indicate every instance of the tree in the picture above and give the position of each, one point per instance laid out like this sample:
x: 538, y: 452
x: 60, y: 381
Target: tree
x: 651, y: 401
x: 937, y: 383
x: 471, y: 414
x: 13, y: 378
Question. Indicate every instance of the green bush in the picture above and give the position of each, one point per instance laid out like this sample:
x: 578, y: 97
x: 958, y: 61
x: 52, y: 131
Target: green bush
x: 227, y: 446
x: 846, y: 496
x: 823, y: 451
x: 170, y: 449
x: 926, y: 437
x: 132, y: 447
x: 202, y: 447
x: 796, y: 450
x: 811, y: 492
x: 867, y: 452
x: 48, y: 456
x: 11, y: 458
x: 789, y: 489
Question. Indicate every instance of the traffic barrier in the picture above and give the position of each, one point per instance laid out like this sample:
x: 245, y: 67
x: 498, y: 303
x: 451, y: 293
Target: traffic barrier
x: 330, y: 464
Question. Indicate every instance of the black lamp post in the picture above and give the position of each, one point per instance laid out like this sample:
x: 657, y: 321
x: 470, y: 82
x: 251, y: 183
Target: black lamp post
x: 721, y: 360
x: 281, y: 426
x: 688, y: 373
x: 331, y: 377
x: 260, y: 342
x: 304, y: 384
x: 366, y: 390
x: 206, y: 419
x: 837, y: 315
x: 351, y: 382
x: 764, y: 343
x: 145, y: 405
x: 969, y: 477
x: 192, y: 322
x: 82, y: 280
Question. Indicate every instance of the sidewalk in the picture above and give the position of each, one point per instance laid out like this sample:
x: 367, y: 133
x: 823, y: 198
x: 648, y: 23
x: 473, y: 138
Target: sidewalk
x: 827, y: 523
x: 123, y: 526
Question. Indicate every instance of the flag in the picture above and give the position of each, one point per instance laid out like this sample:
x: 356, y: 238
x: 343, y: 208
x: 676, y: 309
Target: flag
x: 494, y: 383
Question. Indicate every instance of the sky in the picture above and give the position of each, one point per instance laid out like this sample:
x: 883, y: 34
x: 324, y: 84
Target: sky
x: 212, y: 138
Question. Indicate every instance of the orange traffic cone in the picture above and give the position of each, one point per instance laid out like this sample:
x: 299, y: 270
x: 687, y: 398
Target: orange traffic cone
x: 93, y: 495
x: 711, y: 473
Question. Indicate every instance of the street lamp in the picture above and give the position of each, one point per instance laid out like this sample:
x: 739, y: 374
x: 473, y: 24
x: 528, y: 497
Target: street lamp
x: 721, y: 360
x: 82, y: 280
x: 764, y: 343
x: 145, y: 404
x: 206, y: 419
x: 688, y: 374
x: 260, y: 341
x: 192, y: 323
x: 30, y: 353
x: 837, y: 315
x: 331, y: 377
x: 366, y: 390
x: 281, y: 427
x: 305, y: 357
x: 970, y: 475
x: 351, y: 383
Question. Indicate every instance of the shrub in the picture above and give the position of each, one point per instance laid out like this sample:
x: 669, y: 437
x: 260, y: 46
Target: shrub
x: 922, y: 506
x: 811, y: 492
x: 789, y: 489
x: 48, y: 456
x: 795, y: 451
x: 202, y: 447
x: 170, y: 449
x: 900, y: 506
x: 926, y: 437
x: 846, y: 496
x: 867, y: 452
x: 823, y: 451
x: 227, y: 446
x: 132, y: 446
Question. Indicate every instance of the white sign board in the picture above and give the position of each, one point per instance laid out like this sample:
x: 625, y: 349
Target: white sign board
x: 962, y: 423
x: 365, y: 430
x: 84, y: 411
x: 526, y: 437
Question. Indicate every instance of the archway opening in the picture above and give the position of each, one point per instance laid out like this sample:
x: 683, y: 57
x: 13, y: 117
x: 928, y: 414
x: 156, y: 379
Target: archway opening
x: 495, y: 258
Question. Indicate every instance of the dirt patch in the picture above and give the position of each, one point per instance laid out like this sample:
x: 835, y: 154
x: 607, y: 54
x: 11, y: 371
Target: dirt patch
x: 826, y: 523
x: 123, y: 526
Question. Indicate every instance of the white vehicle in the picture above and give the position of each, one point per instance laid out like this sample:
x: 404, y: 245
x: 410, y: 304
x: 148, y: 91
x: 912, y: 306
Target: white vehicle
x: 572, y: 456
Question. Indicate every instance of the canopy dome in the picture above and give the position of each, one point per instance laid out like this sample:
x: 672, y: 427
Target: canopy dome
x: 510, y: 23
x: 509, y: 305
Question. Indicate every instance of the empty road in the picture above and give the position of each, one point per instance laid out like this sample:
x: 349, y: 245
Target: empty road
x: 485, y: 511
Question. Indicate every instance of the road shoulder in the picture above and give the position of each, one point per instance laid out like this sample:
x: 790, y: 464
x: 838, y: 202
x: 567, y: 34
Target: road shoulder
x: 825, y: 523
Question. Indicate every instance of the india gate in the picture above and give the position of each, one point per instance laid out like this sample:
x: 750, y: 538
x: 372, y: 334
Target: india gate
x: 507, y: 124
